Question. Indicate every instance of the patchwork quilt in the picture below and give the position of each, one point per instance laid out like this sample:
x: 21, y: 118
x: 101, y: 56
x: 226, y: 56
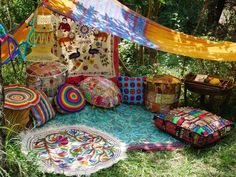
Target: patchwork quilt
x: 193, y: 125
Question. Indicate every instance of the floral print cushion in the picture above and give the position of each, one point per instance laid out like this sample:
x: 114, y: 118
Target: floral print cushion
x: 193, y: 125
x: 100, y: 92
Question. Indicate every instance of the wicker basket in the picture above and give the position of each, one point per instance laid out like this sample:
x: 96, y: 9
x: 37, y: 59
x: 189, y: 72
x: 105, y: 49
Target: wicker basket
x: 162, y: 93
x: 16, y: 120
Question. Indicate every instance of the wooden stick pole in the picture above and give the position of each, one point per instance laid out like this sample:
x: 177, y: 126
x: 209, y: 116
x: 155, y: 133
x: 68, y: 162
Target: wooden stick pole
x: 2, y: 137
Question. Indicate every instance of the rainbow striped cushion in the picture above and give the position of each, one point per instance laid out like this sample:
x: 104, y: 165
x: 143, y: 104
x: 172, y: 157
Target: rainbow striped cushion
x: 43, y: 111
x: 69, y: 99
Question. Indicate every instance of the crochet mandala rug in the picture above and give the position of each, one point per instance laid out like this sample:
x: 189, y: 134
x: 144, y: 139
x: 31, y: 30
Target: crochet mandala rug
x: 131, y: 124
x: 73, y: 150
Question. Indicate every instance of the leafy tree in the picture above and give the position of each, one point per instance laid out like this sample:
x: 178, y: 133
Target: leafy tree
x: 13, y: 12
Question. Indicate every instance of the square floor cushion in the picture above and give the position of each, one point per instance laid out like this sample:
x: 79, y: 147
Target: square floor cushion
x: 132, y: 89
x: 195, y: 126
x: 43, y: 111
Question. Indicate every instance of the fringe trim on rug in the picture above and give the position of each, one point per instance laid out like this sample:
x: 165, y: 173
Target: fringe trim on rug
x: 27, y: 135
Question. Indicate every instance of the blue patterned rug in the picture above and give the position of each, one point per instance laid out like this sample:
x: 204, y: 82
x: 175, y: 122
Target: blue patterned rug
x: 130, y: 123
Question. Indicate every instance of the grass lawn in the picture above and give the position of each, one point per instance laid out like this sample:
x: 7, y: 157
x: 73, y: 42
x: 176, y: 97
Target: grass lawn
x: 217, y: 160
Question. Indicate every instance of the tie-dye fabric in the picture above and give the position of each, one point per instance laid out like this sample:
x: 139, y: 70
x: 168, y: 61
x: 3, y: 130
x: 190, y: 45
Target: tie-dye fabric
x: 113, y: 17
x: 109, y: 16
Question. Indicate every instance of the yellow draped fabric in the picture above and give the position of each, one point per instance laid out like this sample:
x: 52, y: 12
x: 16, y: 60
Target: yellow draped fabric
x: 182, y: 44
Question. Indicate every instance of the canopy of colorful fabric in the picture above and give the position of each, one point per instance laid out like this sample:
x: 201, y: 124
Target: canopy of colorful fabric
x: 69, y: 99
x: 73, y: 150
x: 113, y: 17
x: 101, y: 92
x: 18, y: 101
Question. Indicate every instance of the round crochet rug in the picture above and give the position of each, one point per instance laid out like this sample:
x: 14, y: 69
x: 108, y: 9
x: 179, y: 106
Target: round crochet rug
x: 73, y: 150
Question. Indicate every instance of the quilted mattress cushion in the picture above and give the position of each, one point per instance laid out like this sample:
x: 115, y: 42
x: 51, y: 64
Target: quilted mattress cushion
x: 193, y: 125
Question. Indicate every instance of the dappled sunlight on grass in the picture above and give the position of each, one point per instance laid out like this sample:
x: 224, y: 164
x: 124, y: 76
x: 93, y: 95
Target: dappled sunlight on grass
x: 216, y: 160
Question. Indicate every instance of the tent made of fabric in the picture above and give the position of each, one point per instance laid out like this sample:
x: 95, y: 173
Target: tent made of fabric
x: 113, y: 17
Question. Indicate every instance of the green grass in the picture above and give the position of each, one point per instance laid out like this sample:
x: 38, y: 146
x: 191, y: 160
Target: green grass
x: 217, y: 160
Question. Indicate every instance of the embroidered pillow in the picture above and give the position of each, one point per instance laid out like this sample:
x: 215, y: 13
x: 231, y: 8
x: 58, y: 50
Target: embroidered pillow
x: 43, y: 111
x: 132, y: 89
x: 69, y: 99
x: 196, y: 126
x: 101, y: 92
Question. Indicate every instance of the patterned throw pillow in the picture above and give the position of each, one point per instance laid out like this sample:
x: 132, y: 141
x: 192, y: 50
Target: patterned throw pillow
x: 69, y: 99
x: 43, y: 111
x: 196, y: 126
x: 132, y: 89
x: 100, y: 92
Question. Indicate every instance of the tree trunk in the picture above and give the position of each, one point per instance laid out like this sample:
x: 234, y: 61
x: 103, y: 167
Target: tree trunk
x: 140, y: 52
x: 152, y: 52
x: 201, y: 15
x: 215, y: 8
x: 2, y: 156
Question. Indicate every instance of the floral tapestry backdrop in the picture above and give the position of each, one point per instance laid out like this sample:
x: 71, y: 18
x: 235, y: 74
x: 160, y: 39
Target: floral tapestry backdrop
x: 86, y: 51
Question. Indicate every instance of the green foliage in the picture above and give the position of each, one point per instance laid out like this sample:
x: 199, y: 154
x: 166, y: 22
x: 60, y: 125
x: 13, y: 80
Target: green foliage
x: 218, y: 160
x: 10, y: 77
x: 181, y: 15
x: 16, y: 162
x: 13, y: 12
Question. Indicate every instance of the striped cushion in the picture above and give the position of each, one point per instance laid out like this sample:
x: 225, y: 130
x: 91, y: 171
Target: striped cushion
x: 69, y: 99
x: 43, y: 111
